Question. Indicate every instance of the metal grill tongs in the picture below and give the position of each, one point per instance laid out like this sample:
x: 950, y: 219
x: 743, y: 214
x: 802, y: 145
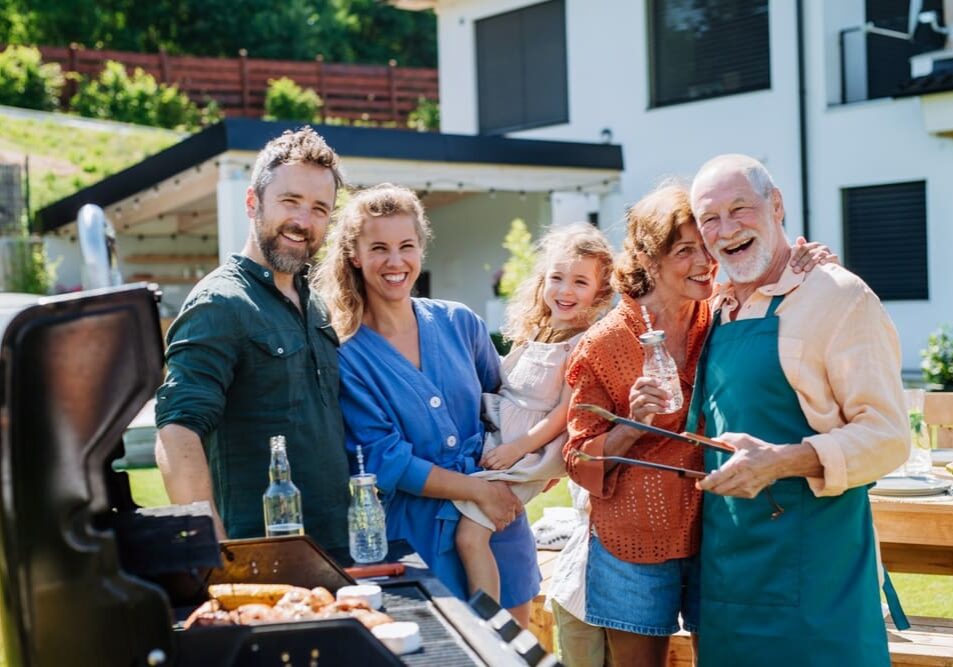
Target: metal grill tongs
x: 693, y: 438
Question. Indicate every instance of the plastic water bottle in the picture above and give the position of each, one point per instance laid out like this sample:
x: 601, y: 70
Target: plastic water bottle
x: 282, y: 499
x: 658, y: 363
x: 367, y: 531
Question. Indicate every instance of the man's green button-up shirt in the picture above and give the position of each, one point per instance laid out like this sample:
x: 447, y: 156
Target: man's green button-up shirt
x: 243, y: 365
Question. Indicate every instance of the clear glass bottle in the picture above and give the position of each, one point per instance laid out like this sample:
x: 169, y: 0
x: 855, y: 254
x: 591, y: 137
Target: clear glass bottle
x: 282, y: 499
x: 658, y: 363
x: 367, y: 532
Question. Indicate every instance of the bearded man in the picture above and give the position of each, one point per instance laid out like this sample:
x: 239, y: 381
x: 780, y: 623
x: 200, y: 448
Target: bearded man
x: 801, y: 375
x: 252, y: 354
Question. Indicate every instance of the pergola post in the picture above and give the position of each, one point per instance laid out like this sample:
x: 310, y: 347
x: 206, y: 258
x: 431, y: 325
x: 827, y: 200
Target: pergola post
x: 233, y: 180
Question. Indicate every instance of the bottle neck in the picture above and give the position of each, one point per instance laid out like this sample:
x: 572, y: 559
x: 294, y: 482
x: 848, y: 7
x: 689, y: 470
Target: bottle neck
x: 279, y: 470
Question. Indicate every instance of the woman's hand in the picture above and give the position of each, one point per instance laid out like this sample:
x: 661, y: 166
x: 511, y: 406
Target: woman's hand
x: 647, y: 398
x: 805, y: 256
x: 502, y: 456
x: 498, y: 503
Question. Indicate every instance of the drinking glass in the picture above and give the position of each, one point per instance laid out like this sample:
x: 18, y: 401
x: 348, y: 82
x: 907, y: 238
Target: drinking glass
x: 919, y: 462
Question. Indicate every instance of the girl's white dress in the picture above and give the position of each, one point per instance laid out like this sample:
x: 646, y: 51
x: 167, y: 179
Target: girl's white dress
x: 533, y: 379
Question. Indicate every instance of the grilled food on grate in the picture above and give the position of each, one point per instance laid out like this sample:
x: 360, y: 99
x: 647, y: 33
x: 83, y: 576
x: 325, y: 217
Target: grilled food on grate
x: 250, y: 604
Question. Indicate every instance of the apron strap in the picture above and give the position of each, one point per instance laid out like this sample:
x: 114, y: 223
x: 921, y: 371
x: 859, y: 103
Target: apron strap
x: 893, y: 604
x: 773, y: 306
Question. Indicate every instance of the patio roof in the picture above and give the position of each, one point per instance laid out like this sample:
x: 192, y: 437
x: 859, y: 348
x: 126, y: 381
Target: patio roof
x: 186, y: 174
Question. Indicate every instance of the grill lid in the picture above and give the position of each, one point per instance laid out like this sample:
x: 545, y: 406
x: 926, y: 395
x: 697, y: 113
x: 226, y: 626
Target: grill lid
x: 74, y: 371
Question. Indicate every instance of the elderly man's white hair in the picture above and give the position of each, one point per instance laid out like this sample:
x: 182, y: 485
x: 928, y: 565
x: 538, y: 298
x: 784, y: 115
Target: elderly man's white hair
x: 756, y: 173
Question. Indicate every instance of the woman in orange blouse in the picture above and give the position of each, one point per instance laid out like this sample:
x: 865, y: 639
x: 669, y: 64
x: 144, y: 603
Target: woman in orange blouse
x: 643, y: 571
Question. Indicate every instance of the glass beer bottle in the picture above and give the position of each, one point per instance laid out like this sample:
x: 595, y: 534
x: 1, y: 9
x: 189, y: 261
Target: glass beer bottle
x: 282, y: 499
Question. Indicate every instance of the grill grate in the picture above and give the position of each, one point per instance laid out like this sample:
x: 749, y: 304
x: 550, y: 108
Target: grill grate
x: 440, y: 647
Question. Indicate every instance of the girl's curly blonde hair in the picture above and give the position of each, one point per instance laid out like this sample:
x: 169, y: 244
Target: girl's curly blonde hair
x: 651, y: 230
x: 336, y: 279
x: 527, y: 312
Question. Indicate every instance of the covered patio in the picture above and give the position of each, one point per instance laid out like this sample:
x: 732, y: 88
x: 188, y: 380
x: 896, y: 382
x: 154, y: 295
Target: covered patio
x: 178, y: 213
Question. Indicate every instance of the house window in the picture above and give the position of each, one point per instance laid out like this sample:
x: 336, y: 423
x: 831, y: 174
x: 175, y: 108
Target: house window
x: 888, y: 58
x: 521, y: 68
x: 885, y: 238
x: 707, y: 48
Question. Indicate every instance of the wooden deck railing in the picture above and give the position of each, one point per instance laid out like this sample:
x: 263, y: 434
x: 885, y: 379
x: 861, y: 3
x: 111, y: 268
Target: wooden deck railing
x: 378, y: 93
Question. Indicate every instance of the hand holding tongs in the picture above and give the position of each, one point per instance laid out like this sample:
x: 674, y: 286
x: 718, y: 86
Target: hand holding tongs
x: 692, y: 438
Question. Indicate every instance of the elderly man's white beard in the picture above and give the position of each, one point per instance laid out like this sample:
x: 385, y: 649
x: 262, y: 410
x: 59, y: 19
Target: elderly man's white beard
x: 755, y: 262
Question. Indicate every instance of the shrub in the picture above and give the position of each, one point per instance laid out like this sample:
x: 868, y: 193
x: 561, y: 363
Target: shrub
x: 28, y: 269
x: 426, y: 117
x: 25, y: 81
x: 114, y: 95
x: 938, y: 358
x: 286, y: 100
x: 519, y: 266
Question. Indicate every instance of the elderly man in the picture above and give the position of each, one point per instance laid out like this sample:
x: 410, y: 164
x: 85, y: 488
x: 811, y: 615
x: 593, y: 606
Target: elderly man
x: 801, y: 374
x: 252, y: 355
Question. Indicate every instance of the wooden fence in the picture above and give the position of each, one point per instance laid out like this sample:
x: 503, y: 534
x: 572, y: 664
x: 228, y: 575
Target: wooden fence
x: 380, y: 93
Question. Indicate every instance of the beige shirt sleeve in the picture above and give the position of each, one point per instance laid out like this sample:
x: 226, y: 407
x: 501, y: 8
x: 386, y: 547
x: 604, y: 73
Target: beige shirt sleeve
x: 861, y: 419
x: 840, y: 352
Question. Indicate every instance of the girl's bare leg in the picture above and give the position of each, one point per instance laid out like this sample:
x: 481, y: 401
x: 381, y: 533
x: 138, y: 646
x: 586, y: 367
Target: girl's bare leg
x: 473, y: 546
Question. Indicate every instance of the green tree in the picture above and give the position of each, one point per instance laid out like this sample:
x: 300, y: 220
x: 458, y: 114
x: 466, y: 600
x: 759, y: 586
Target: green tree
x: 366, y: 31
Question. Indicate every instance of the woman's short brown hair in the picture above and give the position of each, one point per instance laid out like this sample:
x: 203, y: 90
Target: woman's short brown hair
x: 651, y: 230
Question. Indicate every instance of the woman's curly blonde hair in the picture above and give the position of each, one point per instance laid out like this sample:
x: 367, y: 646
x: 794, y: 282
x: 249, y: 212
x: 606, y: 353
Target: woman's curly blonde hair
x: 651, y: 230
x: 527, y: 312
x: 336, y: 279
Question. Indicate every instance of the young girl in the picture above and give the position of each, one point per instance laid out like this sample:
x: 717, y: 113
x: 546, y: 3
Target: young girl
x: 567, y: 292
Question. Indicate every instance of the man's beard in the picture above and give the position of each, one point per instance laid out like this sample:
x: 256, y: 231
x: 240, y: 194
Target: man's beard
x: 751, y: 268
x: 283, y: 261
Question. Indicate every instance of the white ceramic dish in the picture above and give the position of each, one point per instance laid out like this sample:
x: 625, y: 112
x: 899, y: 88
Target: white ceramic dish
x: 370, y: 593
x: 401, y: 637
x: 941, y: 457
x: 918, y: 485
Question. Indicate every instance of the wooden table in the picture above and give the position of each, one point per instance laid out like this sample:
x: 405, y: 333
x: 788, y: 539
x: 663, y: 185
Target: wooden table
x: 916, y: 534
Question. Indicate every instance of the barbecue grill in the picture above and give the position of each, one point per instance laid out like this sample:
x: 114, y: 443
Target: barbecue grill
x: 88, y: 578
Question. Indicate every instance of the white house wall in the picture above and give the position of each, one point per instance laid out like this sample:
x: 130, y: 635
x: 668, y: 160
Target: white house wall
x: 867, y: 143
x: 467, y: 246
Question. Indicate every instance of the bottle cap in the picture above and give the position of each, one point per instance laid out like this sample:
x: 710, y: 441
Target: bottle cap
x: 652, y: 337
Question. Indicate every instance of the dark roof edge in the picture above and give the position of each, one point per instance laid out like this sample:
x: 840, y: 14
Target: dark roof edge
x: 251, y: 135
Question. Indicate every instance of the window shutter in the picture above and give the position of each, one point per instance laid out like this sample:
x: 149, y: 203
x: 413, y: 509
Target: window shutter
x: 499, y: 72
x: 702, y: 50
x: 521, y: 68
x: 885, y: 234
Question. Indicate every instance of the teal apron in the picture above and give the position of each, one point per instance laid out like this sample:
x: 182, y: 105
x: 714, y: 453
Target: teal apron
x: 797, y: 590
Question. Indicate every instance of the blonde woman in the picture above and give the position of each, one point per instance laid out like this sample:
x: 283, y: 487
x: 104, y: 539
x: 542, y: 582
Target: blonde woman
x: 412, y: 375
